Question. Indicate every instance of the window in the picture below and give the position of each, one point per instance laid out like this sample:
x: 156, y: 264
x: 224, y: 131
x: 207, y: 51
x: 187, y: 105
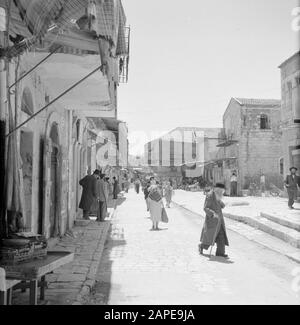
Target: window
x: 27, y: 102
x: 245, y: 120
x: 298, y: 81
x: 264, y: 122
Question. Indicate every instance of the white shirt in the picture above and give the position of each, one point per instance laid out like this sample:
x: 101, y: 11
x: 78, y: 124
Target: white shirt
x: 233, y: 178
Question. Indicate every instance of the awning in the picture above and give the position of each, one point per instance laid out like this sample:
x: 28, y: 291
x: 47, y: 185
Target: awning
x: 40, y: 15
x: 110, y: 22
x: 32, y: 20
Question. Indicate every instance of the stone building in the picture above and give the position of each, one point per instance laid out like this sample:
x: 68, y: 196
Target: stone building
x: 290, y: 112
x: 57, y: 84
x: 251, y: 143
x: 182, y: 153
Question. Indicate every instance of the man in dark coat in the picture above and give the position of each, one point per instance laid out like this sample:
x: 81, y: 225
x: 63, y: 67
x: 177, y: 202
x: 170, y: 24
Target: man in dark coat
x: 214, y: 229
x: 102, y: 198
x: 292, y: 182
x: 89, y: 196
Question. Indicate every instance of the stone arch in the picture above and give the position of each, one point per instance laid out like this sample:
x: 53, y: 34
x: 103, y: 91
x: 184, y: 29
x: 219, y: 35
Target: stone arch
x: 52, y: 174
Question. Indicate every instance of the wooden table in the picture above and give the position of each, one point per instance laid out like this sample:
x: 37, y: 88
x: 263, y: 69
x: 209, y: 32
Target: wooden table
x: 6, y: 287
x: 34, y: 270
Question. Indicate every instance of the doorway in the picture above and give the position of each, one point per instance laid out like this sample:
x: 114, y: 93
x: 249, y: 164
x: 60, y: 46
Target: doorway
x: 26, y: 153
x: 54, y: 181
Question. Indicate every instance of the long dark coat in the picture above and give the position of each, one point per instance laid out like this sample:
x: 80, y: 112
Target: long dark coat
x: 212, y: 225
x: 116, y: 189
x: 89, y: 194
x: 291, y: 183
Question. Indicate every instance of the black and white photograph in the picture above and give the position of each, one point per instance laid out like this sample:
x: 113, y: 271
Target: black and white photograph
x: 149, y: 155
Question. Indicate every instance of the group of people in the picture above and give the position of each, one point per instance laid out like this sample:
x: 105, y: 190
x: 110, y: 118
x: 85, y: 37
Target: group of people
x: 96, y: 190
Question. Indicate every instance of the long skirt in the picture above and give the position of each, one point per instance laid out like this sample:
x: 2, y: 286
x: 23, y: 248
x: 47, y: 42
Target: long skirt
x: 155, y: 210
x: 147, y: 204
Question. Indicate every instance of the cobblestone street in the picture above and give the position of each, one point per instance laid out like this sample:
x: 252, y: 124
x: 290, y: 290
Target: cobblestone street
x: 140, y: 266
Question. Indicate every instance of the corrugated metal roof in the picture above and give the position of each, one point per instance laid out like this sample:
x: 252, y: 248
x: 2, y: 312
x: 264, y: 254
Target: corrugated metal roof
x: 258, y: 102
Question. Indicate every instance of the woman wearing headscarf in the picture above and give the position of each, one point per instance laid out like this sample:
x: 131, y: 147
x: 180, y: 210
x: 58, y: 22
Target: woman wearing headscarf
x: 155, y: 204
x: 214, y: 229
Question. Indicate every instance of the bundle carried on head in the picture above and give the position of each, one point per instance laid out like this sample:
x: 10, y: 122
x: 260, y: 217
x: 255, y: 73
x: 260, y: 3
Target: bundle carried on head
x: 155, y: 194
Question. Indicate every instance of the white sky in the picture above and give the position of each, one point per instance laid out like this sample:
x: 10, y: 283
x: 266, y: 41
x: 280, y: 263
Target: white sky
x: 188, y: 58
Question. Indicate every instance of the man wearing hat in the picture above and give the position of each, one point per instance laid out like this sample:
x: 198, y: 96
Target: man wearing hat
x: 292, y: 182
x: 88, y: 202
x: 102, y: 198
x: 214, y: 229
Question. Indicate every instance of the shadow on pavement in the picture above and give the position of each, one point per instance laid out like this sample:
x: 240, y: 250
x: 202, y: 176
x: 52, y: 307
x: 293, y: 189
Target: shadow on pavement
x: 220, y: 260
x: 113, y: 247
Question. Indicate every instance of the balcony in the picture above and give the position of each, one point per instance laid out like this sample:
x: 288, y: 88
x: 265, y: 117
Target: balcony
x: 124, y: 59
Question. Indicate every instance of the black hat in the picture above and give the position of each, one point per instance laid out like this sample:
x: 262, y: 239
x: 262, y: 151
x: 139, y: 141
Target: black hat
x: 220, y: 185
x: 293, y: 168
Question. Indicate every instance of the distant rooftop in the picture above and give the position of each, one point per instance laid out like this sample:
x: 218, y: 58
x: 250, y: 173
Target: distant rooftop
x: 259, y: 102
x: 296, y: 55
x: 208, y: 132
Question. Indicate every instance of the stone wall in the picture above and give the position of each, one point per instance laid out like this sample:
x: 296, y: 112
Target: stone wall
x: 33, y: 144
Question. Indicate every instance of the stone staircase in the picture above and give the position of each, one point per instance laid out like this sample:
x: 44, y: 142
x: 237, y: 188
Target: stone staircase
x: 286, y: 229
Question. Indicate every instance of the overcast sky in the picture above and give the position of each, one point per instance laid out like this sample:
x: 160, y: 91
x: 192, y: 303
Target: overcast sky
x: 188, y: 58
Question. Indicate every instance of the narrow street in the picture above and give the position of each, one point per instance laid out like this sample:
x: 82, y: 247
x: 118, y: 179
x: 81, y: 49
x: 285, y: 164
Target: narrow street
x: 140, y: 266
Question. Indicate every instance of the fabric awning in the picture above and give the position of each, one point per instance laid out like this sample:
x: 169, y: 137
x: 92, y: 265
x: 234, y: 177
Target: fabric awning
x: 34, y: 19
x: 40, y: 15
x: 109, y: 22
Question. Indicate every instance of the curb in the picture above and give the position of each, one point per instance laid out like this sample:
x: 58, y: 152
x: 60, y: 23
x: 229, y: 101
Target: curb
x: 90, y: 281
x: 292, y: 257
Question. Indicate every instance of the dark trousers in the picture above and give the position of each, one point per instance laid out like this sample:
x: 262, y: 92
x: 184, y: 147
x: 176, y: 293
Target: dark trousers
x: 292, y: 196
x: 220, y: 241
x: 100, y: 214
x: 86, y: 214
x: 233, y: 188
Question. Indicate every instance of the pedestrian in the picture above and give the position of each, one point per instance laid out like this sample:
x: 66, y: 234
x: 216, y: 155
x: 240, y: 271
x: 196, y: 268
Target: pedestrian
x: 214, y: 229
x: 160, y: 188
x: 106, y: 194
x: 233, y: 184
x: 155, y: 204
x: 137, y: 185
x: 146, y: 194
x: 89, y: 197
x: 263, y: 183
x: 168, y: 193
x: 102, y: 199
x: 292, y: 183
x: 116, y: 191
x: 127, y: 184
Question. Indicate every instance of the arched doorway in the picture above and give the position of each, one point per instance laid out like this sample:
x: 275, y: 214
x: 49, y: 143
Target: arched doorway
x: 27, y: 158
x: 54, y: 182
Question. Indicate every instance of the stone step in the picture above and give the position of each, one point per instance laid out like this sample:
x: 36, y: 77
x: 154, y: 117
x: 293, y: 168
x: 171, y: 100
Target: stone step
x: 284, y: 233
x: 292, y: 224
